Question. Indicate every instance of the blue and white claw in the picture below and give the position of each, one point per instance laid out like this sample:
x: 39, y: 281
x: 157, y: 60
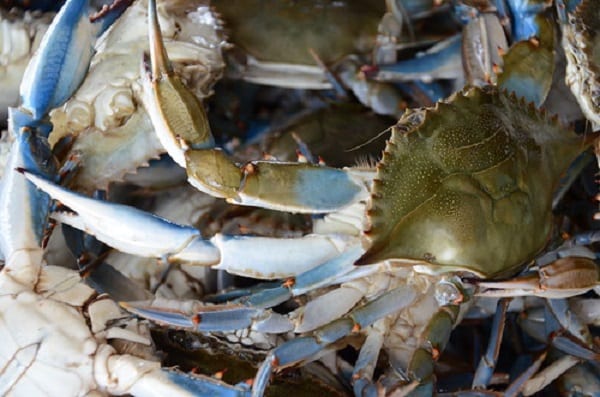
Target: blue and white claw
x: 139, y: 233
x: 62, y: 60
x: 126, y: 228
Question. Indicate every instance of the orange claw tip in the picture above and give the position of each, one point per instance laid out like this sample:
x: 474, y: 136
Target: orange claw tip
x: 196, y: 319
x: 219, y: 374
x: 289, y: 283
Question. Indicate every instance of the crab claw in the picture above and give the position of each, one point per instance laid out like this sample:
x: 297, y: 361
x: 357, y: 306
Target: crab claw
x: 128, y: 229
x: 62, y: 60
x: 177, y: 115
x: 139, y: 233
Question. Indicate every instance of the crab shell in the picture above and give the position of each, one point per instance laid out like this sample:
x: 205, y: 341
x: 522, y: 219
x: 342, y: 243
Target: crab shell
x: 468, y: 185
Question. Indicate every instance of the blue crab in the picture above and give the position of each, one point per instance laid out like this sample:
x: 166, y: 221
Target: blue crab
x: 413, y: 253
x: 464, y: 189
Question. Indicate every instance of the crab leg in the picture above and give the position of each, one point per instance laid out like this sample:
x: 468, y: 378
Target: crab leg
x: 364, y: 368
x: 162, y: 382
x: 442, y: 61
x: 563, y: 277
x: 178, y: 117
x: 252, y: 311
x: 182, y: 127
x: 305, y: 348
x: 487, y: 363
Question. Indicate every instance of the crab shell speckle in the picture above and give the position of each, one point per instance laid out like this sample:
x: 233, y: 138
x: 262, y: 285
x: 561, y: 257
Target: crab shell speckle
x: 468, y: 185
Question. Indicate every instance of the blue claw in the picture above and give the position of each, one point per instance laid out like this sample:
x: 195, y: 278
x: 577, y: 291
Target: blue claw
x: 62, y: 60
x: 60, y: 64
x: 129, y: 229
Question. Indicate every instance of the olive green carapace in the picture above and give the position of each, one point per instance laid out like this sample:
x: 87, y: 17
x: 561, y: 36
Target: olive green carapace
x: 468, y: 185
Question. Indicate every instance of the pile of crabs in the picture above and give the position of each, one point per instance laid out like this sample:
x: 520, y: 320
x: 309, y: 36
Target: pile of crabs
x: 250, y: 198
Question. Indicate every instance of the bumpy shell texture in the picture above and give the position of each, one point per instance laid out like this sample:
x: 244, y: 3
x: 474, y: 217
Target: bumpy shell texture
x: 468, y: 185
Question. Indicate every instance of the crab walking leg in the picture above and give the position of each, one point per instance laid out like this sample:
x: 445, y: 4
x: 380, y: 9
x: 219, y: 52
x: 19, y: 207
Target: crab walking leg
x: 304, y: 348
x: 182, y: 127
x: 364, y: 369
x: 442, y: 61
x: 487, y: 363
x: 564, y: 277
x: 252, y: 311
x: 136, y: 232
